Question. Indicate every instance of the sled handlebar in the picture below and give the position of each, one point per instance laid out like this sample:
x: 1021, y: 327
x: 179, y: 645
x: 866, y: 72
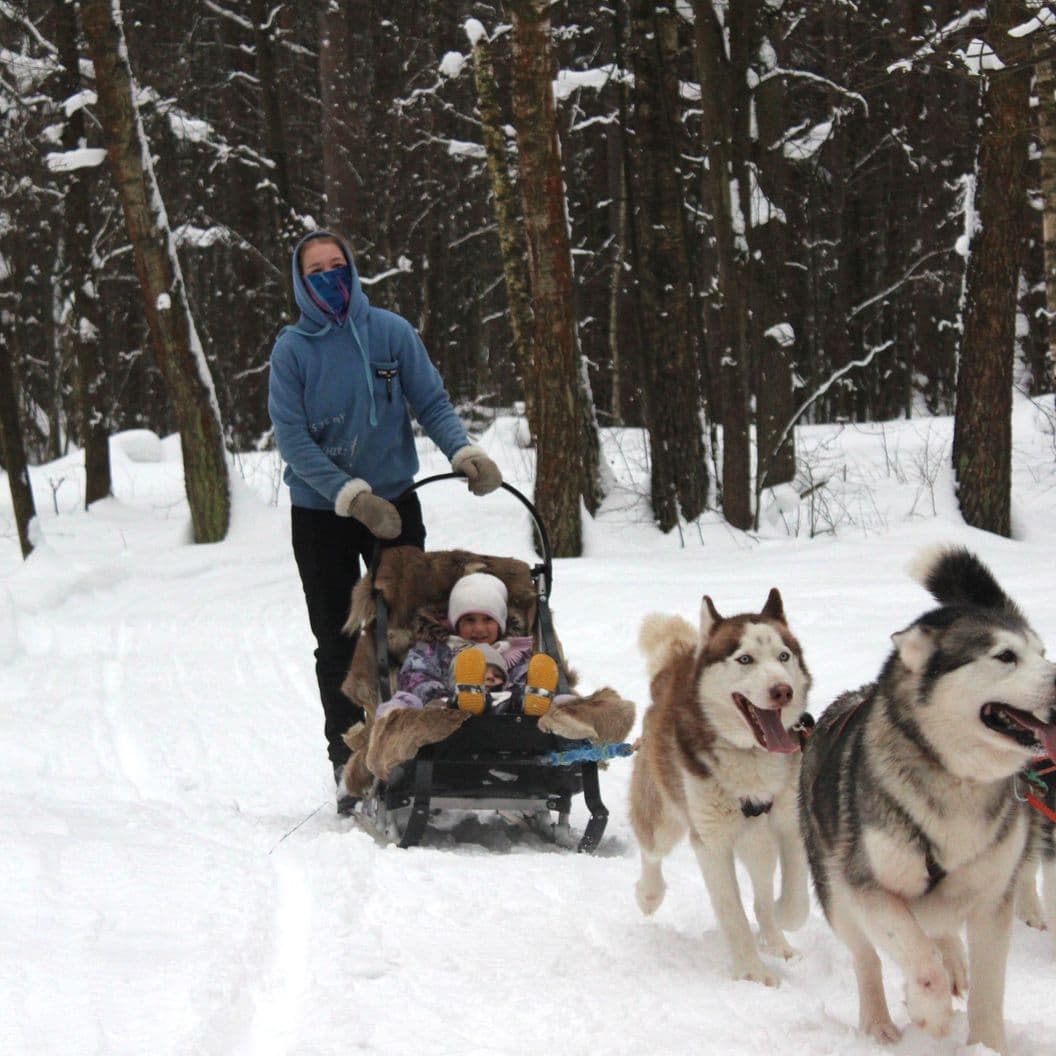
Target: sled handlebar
x: 547, y: 566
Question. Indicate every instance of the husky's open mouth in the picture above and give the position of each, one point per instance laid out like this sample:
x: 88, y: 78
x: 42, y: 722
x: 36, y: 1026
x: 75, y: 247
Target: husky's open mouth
x: 1023, y: 727
x: 766, y: 725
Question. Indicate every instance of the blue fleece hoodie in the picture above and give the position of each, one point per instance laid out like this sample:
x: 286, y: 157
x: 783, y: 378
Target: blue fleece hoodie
x: 339, y: 392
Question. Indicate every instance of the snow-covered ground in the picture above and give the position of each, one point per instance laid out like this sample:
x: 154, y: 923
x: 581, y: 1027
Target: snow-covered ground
x: 175, y: 880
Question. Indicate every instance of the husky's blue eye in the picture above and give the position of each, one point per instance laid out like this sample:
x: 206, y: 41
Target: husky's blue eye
x: 784, y: 657
x: 744, y: 658
x: 1007, y: 657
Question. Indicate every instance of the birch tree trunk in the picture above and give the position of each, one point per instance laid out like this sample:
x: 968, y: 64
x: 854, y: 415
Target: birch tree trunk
x: 671, y: 386
x: 12, y: 450
x: 511, y: 235
x: 567, y: 460
x: 84, y: 328
x: 177, y: 348
x: 982, y: 433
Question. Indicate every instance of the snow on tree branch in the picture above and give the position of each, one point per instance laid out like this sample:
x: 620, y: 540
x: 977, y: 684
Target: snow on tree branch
x: 69, y: 160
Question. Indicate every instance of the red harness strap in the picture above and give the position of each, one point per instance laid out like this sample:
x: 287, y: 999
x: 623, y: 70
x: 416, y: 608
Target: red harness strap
x: 1039, y: 804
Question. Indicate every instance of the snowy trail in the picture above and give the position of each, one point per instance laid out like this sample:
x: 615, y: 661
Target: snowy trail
x: 160, y: 733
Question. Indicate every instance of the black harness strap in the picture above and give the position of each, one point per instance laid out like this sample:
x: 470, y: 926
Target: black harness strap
x: 936, y: 873
x: 751, y: 809
x: 381, y: 644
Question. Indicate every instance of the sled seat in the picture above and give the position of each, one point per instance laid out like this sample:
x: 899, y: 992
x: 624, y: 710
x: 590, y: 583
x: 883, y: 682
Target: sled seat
x: 491, y: 762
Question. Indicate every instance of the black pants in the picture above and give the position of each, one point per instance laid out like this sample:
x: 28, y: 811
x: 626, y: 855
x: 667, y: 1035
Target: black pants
x: 328, y: 550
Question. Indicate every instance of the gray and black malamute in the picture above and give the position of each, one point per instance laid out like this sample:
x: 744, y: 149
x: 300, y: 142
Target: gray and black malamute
x: 908, y: 801
x: 719, y: 760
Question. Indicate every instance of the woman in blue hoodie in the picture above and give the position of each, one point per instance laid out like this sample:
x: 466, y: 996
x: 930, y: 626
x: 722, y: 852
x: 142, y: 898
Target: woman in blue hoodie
x: 343, y: 382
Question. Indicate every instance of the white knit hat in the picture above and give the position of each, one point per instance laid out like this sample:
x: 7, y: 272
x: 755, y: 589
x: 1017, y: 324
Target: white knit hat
x: 478, y: 592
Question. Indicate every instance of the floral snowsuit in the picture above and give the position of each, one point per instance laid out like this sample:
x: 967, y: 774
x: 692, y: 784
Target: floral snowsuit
x: 425, y: 674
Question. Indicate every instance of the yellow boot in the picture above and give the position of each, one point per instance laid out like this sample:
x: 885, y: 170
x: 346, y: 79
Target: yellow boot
x: 540, y: 684
x: 470, y: 668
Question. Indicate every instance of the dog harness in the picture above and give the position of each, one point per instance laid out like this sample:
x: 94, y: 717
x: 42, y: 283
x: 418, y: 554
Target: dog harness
x: 752, y: 809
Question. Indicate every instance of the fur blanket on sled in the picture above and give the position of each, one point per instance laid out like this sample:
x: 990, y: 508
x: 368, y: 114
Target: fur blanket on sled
x: 416, y: 586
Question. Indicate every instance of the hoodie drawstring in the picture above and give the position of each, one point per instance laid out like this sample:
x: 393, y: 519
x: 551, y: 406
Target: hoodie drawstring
x: 366, y: 371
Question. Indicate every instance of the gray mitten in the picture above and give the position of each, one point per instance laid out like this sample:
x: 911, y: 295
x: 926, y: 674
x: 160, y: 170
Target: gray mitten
x: 378, y: 515
x: 481, y: 472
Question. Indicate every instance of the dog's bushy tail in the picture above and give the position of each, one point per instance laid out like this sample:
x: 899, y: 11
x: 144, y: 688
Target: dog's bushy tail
x: 661, y: 637
x: 953, y: 575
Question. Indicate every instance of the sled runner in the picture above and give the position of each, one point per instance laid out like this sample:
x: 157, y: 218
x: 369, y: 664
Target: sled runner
x: 412, y: 763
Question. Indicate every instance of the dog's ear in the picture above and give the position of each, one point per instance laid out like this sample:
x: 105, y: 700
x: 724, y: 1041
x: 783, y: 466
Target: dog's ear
x: 709, y: 616
x: 914, y: 646
x: 774, y: 609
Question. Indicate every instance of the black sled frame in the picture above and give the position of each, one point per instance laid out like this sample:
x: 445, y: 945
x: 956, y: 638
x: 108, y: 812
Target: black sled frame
x: 492, y: 762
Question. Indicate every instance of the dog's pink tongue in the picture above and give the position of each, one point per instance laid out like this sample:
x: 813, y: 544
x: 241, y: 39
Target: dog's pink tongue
x: 775, y: 737
x: 1048, y: 739
x: 1046, y: 732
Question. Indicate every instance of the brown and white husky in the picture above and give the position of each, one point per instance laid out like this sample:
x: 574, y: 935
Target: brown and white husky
x: 719, y: 760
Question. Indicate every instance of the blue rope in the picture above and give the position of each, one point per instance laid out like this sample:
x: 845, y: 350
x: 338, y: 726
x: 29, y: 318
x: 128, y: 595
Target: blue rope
x: 585, y: 752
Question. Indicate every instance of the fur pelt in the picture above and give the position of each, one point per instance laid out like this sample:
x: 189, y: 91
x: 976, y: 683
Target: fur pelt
x: 411, y: 579
x: 416, y: 586
x: 355, y: 777
x: 604, y: 718
x: 397, y: 735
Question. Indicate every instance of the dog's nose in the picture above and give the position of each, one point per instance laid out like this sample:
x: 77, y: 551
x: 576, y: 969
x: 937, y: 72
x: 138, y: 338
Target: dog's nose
x: 782, y: 693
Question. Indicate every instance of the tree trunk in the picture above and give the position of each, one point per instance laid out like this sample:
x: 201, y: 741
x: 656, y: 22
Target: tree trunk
x: 264, y: 15
x: 84, y: 329
x: 511, y: 234
x: 342, y: 25
x: 724, y: 110
x: 768, y: 236
x: 567, y: 462
x: 279, y: 192
x: 982, y: 435
x: 176, y: 345
x: 671, y: 387
x: 1047, y: 132
x: 12, y: 450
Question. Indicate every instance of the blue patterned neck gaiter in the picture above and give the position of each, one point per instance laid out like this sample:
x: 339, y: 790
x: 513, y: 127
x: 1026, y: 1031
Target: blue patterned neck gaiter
x: 333, y: 288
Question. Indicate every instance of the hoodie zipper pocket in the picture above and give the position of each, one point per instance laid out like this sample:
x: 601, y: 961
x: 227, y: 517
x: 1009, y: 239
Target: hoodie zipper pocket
x: 388, y: 373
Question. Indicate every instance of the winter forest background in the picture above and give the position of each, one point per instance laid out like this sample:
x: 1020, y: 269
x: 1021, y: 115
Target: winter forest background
x: 774, y: 213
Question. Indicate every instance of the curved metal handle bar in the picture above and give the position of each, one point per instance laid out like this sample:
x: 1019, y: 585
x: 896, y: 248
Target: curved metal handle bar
x: 544, y: 539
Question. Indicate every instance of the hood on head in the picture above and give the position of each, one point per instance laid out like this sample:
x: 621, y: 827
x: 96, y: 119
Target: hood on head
x: 310, y: 309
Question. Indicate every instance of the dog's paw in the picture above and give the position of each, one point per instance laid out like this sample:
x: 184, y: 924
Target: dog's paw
x: 955, y: 963
x: 649, y: 896
x: 778, y: 947
x: 757, y: 973
x: 1030, y: 912
x: 1028, y: 905
x: 929, y: 1000
x: 883, y: 1030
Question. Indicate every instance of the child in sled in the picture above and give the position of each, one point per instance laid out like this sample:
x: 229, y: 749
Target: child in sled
x: 446, y: 667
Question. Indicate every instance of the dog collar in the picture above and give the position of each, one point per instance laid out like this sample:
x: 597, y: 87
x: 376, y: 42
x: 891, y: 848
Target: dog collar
x: 751, y: 809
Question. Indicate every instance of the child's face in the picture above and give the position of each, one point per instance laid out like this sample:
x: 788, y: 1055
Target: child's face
x: 493, y: 677
x: 478, y: 627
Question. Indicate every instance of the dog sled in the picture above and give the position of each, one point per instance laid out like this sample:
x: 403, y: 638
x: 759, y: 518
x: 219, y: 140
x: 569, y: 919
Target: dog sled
x: 411, y: 765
